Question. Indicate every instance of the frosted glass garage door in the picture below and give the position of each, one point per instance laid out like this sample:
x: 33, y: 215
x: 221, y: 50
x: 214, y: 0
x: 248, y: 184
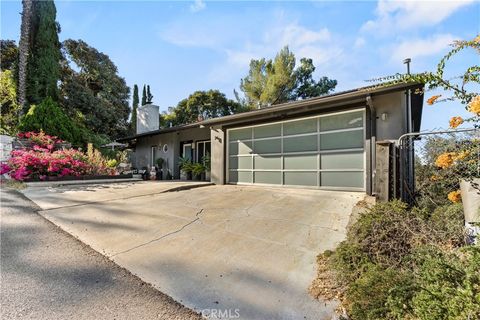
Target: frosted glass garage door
x: 325, y: 151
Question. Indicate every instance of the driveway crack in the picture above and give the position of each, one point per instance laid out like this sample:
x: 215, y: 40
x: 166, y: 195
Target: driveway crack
x: 197, y: 217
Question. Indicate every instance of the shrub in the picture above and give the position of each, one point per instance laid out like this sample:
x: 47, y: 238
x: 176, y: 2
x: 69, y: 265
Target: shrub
x: 383, y: 267
x: 49, y: 117
x: 42, y: 161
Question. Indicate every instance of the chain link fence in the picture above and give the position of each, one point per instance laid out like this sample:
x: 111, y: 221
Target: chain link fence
x: 432, y: 164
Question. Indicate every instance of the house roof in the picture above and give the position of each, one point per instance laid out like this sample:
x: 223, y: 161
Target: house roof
x: 317, y: 103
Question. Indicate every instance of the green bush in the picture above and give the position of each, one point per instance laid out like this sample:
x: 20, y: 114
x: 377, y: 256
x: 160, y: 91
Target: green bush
x: 50, y: 118
x: 449, y: 284
x: 399, y: 262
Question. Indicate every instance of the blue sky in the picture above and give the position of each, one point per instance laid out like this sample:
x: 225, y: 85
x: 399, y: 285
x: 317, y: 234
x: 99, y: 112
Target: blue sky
x: 182, y: 46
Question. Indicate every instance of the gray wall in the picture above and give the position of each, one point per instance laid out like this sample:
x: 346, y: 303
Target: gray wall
x: 217, y: 139
x: 172, y: 139
x: 393, y: 104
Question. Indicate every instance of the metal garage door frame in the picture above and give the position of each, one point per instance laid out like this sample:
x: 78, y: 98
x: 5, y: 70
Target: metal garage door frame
x: 318, y: 152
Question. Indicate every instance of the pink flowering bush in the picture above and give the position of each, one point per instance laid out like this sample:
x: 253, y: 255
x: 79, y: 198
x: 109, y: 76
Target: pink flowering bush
x: 41, y: 161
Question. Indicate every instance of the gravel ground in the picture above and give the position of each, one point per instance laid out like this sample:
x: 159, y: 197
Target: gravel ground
x: 47, y: 274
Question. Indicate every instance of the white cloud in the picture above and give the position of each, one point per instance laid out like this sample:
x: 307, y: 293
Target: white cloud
x: 401, y: 15
x: 417, y: 48
x: 197, y: 5
x: 359, y: 42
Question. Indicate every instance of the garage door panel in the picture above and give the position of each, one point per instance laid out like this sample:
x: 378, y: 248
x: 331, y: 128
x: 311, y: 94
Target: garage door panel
x: 342, y: 179
x: 297, y: 178
x: 341, y: 140
x: 268, y: 146
x: 240, y: 162
x: 300, y: 144
x: 344, y: 160
x: 268, y: 162
x: 322, y: 151
x: 268, y: 177
x: 241, y: 147
x: 342, y: 121
x: 301, y: 161
x: 267, y: 131
x: 240, y: 134
x: 300, y: 127
x: 240, y: 176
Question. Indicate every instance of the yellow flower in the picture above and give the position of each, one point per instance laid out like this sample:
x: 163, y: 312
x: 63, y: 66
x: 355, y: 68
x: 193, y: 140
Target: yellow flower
x: 477, y: 39
x: 445, y: 160
x: 474, y: 105
x: 455, y: 196
x: 434, y: 178
x: 462, y: 155
x: 455, y: 122
x: 432, y: 99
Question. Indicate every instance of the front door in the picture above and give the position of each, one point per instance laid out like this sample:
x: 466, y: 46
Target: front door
x: 187, y: 151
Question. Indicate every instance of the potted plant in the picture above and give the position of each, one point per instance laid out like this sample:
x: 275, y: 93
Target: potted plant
x: 206, y: 164
x: 160, y: 162
x: 185, y: 168
x: 198, y: 171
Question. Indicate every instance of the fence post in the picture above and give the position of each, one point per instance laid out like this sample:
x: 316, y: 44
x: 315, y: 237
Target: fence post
x: 384, y: 170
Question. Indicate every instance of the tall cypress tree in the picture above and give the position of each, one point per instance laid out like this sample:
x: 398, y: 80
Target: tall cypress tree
x: 149, y: 95
x: 144, y: 96
x: 133, y: 120
x: 43, y: 72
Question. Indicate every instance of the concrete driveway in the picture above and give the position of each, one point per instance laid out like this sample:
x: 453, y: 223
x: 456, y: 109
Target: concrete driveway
x: 237, y: 250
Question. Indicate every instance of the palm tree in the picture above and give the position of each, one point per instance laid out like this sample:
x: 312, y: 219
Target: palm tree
x: 23, y: 51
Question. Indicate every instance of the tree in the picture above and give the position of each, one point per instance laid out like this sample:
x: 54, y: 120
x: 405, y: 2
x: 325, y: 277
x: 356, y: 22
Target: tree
x: 277, y: 81
x: 50, y: 118
x: 23, y: 52
x: 203, y: 105
x: 43, y: 72
x: 8, y: 100
x: 144, y: 96
x: 306, y: 86
x: 9, y: 54
x: 149, y: 95
x: 133, y: 119
x: 96, y: 90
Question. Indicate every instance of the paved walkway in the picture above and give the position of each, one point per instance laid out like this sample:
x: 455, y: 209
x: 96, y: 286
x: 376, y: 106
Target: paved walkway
x: 47, y: 274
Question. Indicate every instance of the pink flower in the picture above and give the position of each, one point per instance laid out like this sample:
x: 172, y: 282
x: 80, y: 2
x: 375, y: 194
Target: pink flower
x: 4, y: 168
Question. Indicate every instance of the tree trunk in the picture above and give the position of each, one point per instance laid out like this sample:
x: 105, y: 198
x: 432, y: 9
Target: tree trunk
x: 23, y: 51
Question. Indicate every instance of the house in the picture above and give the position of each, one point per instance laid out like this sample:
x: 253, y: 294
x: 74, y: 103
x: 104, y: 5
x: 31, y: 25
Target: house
x: 327, y: 142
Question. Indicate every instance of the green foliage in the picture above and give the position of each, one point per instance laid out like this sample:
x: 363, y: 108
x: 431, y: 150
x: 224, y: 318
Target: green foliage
x: 306, y: 86
x: 399, y: 263
x: 50, y: 118
x: 276, y: 81
x: 144, y: 96
x: 185, y: 164
x: 112, y: 163
x: 149, y: 95
x: 43, y: 72
x: 133, y: 119
x: 8, y: 100
x: 449, y: 284
x: 202, y: 105
x: 9, y: 54
x: 96, y: 90
x: 198, y: 169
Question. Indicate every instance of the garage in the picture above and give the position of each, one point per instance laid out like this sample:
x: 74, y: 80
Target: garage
x: 324, y: 151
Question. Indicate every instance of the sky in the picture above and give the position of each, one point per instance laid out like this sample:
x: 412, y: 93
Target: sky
x: 178, y: 47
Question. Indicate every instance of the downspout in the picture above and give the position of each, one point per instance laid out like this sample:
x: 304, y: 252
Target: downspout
x: 409, y: 129
x: 373, y: 138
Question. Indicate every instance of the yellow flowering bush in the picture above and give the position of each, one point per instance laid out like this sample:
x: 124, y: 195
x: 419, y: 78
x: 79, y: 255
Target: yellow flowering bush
x: 445, y: 160
x: 455, y: 196
x: 455, y: 122
x: 474, y: 105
